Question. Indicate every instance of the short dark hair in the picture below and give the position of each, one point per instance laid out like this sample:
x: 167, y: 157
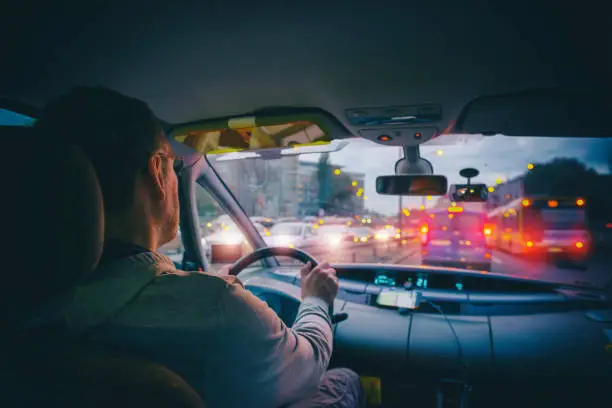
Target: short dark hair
x: 117, y: 132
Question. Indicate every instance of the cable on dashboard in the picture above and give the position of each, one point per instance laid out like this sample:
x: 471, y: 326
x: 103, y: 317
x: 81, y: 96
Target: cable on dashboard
x: 464, y: 366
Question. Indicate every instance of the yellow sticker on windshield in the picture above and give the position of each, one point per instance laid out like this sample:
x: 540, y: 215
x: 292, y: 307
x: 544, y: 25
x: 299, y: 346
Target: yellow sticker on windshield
x: 242, y: 123
x: 372, y: 389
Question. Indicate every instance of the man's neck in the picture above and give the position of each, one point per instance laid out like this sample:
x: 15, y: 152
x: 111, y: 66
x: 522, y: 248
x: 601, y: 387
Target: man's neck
x: 128, y: 229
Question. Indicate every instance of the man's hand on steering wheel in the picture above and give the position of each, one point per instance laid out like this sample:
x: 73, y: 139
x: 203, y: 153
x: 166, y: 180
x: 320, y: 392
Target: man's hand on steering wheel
x: 320, y: 282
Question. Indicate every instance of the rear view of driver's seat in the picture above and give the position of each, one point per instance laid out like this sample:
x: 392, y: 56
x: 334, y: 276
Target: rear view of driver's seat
x: 53, y: 229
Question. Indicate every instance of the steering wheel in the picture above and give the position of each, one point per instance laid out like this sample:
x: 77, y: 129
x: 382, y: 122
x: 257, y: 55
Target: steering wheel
x: 294, y: 253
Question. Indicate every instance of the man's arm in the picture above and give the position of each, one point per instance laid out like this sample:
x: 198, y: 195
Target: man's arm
x: 288, y: 362
x: 285, y: 363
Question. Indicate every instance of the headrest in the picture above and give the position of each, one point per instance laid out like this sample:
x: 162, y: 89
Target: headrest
x: 56, y: 213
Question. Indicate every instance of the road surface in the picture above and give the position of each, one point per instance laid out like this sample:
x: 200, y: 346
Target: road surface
x: 598, y: 272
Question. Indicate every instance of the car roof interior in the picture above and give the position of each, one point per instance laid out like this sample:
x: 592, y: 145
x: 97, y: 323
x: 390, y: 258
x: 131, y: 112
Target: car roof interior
x: 214, y: 59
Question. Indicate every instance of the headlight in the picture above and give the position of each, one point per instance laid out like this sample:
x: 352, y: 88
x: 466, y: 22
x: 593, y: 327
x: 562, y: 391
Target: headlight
x: 382, y: 235
x: 232, y: 238
x: 334, y: 239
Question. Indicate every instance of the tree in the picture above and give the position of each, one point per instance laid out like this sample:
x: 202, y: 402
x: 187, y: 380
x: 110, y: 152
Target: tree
x: 560, y: 177
x: 335, y: 189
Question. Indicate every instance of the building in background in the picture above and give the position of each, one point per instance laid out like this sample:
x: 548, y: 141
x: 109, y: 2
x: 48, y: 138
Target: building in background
x: 506, y: 192
x: 288, y: 187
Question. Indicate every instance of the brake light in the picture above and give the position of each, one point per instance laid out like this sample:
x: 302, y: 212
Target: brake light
x: 488, y: 231
x: 579, y: 245
x: 580, y: 202
x: 425, y: 234
x: 529, y: 244
x: 553, y: 203
x: 526, y: 203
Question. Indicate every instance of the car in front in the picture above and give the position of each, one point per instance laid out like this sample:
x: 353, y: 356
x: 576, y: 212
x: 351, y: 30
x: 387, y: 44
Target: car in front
x: 456, y: 237
x: 267, y: 222
x: 387, y: 233
x: 336, y: 235
x: 292, y: 235
x: 362, y: 234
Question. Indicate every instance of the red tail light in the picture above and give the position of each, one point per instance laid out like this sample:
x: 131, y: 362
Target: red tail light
x: 424, y: 234
x: 579, y: 244
x: 488, y: 231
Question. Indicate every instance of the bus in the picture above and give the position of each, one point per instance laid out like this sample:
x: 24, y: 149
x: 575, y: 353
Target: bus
x: 542, y: 225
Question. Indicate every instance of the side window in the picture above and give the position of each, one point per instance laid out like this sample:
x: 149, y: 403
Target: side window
x: 10, y: 118
x: 221, y: 240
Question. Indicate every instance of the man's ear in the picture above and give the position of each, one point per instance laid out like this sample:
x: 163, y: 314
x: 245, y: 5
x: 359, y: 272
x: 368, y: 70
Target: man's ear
x: 155, y: 168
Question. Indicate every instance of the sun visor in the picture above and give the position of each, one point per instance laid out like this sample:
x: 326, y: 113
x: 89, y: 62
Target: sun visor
x: 542, y: 112
x: 271, y: 132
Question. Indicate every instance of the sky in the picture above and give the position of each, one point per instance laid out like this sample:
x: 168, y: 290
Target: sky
x: 497, y: 157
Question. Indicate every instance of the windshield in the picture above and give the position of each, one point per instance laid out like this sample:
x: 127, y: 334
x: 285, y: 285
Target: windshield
x: 340, y: 187
x: 286, y: 229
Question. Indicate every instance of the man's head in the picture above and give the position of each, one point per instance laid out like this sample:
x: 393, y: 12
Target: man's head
x: 132, y: 158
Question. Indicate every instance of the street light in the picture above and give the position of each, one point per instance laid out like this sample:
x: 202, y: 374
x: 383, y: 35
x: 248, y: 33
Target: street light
x: 337, y: 172
x: 354, y: 183
x: 530, y: 166
x: 491, y: 189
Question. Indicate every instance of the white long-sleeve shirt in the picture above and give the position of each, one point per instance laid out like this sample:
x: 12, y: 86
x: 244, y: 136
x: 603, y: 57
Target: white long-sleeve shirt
x: 225, y: 342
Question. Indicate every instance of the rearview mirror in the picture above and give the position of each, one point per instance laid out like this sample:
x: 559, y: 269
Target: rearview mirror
x: 469, y: 193
x: 411, y: 185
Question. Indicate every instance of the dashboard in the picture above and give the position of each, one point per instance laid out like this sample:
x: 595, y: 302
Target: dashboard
x: 502, y: 329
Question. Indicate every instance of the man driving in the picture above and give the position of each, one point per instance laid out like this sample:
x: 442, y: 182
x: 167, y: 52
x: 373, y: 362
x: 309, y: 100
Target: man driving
x: 225, y: 342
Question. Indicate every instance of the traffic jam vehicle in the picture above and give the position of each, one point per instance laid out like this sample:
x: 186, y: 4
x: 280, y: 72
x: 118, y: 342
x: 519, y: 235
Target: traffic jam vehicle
x: 552, y: 227
x: 456, y: 237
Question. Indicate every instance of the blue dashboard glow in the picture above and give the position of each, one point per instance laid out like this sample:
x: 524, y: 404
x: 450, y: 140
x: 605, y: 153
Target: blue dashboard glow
x: 384, y: 280
x: 459, y: 286
x: 421, y: 283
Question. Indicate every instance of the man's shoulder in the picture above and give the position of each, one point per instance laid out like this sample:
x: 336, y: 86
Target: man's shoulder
x: 180, y: 277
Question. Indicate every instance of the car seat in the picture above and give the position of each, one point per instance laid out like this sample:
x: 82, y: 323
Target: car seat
x: 54, y: 231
